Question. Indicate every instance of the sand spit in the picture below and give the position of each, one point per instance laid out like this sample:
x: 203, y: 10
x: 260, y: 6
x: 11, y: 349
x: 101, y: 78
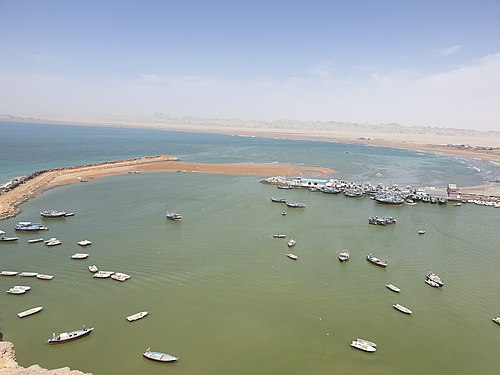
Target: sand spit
x: 9, y: 365
x: 32, y: 185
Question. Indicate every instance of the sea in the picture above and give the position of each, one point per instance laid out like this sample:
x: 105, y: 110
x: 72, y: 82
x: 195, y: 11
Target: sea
x: 222, y: 295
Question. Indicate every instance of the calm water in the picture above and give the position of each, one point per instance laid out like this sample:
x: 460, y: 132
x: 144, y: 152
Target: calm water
x: 222, y: 294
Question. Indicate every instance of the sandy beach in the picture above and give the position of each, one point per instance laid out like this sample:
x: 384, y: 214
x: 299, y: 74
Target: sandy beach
x: 11, y: 200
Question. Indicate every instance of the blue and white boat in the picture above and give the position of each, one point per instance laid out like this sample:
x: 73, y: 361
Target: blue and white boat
x: 28, y: 226
x: 159, y: 356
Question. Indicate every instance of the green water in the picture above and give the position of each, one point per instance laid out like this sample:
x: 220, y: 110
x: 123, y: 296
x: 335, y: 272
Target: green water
x: 225, y: 299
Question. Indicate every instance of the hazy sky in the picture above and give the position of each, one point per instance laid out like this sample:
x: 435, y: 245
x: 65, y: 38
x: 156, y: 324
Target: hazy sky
x: 420, y: 62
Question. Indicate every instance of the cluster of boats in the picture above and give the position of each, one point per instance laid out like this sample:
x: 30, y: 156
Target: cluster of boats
x: 376, y: 220
x: 118, y: 276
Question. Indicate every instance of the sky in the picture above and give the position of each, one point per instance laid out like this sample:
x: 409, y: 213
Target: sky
x: 416, y: 62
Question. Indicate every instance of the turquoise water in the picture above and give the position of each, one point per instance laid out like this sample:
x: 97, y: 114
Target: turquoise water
x: 225, y: 299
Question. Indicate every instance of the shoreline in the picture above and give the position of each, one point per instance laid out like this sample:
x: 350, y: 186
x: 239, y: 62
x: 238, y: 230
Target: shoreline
x: 34, y: 184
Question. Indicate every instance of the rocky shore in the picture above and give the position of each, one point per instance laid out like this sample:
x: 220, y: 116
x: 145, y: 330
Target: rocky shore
x: 9, y: 365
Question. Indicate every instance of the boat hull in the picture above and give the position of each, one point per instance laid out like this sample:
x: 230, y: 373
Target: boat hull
x: 70, y: 336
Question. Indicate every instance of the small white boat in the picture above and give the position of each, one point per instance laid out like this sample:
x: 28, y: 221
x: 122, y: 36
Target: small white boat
x: 69, y: 336
x: 159, y: 356
x: 363, y: 346
x: 292, y: 256
x: 8, y: 273
x: 283, y: 213
x: 394, y: 288
x: 118, y: 276
x: 28, y: 274
x: 80, y: 256
x: 8, y: 239
x: 279, y: 235
x: 35, y: 240
x: 53, y: 242
x: 21, y: 287
x: 344, y: 256
x: 292, y: 242
x: 137, y: 316
x: 496, y: 320
x: 421, y: 231
x: 371, y: 343
x: 103, y: 274
x: 376, y: 261
x: 432, y: 283
x: 42, y: 276
x: 32, y: 311
x: 401, y: 308
x: 84, y: 243
x: 93, y: 268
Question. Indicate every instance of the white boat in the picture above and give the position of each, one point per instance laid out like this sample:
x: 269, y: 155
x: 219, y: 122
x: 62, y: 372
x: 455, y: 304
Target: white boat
x: 8, y: 273
x: 118, y: 276
x: 53, y: 242
x: 22, y: 287
x: 432, y: 283
x: 69, y: 336
x: 173, y: 216
x: 433, y: 277
x: 80, y: 256
x: 371, y: 343
x: 84, y: 243
x: 52, y: 214
x: 376, y: 261
x: 401, y: 308
x: 2, y: 232
x: 28, y: 274
x: 279, y: 235
x: 344, y: 256
x: 363, y: 346
x: 35, y: 240
x: 32, y: 311
x: 103, y: 274
x: 496, y: 320
x: 137, y: 316
x: 93, y: 268
x: 394, y: 288
x: 421, y: 232
x: 292, y: 242
x: 42, y: 276
x: 8, y: 239
x: 292, y: 256
x: 16, y: 291
x: 69, y: 214
x: 159, y: 356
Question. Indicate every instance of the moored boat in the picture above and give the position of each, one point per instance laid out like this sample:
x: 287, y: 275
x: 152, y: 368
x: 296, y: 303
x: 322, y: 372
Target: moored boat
x: 292, y: 242
x: 292, y: 256
x: 8, y: 239
x: 53, y: 242
x: 103, y: 274
x: 8, y: 273
x: 371, y: 343
x: 16, y: 291
x: 28, y: 274
x: 403, y: 309
x: 432, y: 283
x: 84, y: 243
x: 137, y: 316
x: 279, y: 200
x: 32, y: 311
x: 35, y: 240
x: 159, y: 356
x: 28, y: 226
x: 435, y: 278
x: 279, y: 235
x: 344, y: 256
x: 394, y: 288
x: 118, y: 276
x: 421, y: 231
x: 69, y: 336
x: 363, y: 346
x: 376, y: 261
x: 80, y: 256
x: 52, y: 214
x: 173, y: 216
x: 42, y: 276
x: 93, y: 268
x: 496, y: 320
x: 296, y: 205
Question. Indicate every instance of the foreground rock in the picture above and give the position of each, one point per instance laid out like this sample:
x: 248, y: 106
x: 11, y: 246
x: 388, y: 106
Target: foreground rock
x: 9, y: 366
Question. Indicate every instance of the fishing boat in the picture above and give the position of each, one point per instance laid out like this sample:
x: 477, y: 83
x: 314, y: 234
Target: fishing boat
x: 292, y: 256
x: 394, y: 199
x: 367, y: 342
x: 279, y: 235
x: 296, y: 205
x: 363, y: 346
x: 394, y: 288
x: 137, y: 316
x: 28, y: 274
x: 292, y: 242
x: 278, y: 200
x: 102, y: 274
x: 433, y: 277
x: 8, y: 273
x: 80, y: 256
x: 84, y: 243
x: 68, y: 214
x: 18, y: 289
x: 173, y: 216
x: 432, y: 283
x: 28, y: 226
x: 35, y: 240
x: 376, y: 220
x: 32, y: 311
x: 69, y: 336
x: 354, y: 193
x: 52, y: 214
x: 118, y: 276
x: 344, y: 256
x: 159, y: 356
x: 403, y: 309
x: 53, y: 242
x: 496, y: 320
x: 93, y: 268
x: 8, y: 239
x: 42, y: 276
x: 376, y: 261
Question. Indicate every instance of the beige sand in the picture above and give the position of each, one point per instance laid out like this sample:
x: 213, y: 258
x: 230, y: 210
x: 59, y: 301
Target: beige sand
x: 10, y: 200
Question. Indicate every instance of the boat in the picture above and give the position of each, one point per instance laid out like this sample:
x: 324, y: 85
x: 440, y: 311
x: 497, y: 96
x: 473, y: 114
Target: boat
x: 279, y: 235
x: 84, y: 243
x: 69, y: 336
x: 457, y: 204
x: 403, y: 309
x: 53, y: 214
x: 28, y: 274
x: 296, y: 205
x: 35, y: 240
x: 173, y: 216
x: 344, y: 256
x: 28, y: 226
x: 363, y: 346
x: 118, y: 276
x: 292, y: 256
x: 159, y: 356
x: 285, y: 187
x: 367, y: 342
x: 8, y: 239
x: 137, y: 316
x: 292, y: 242
x: 32, y: 311
x: 16, y: 291
x: 8, y: 273
x: 93, y: 268
x: 394, y: 199
x: 496, y: 320
x: 53, y: 242
x: 376, y: 261
x: 103, y: 274
x: 80, y: 256
x: 2, y: 232
x: 68, y: 214
x: 22, y: 287
x: 432, y: 283
x: 330, y: 190
x: 394, y: 288
x: 283, y: 213
x: 42, y: 276
x: 376, y: 220
x: 433, y: 277
x: 354, y: 193
x: 278, y: 200
x: 421, y: 232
